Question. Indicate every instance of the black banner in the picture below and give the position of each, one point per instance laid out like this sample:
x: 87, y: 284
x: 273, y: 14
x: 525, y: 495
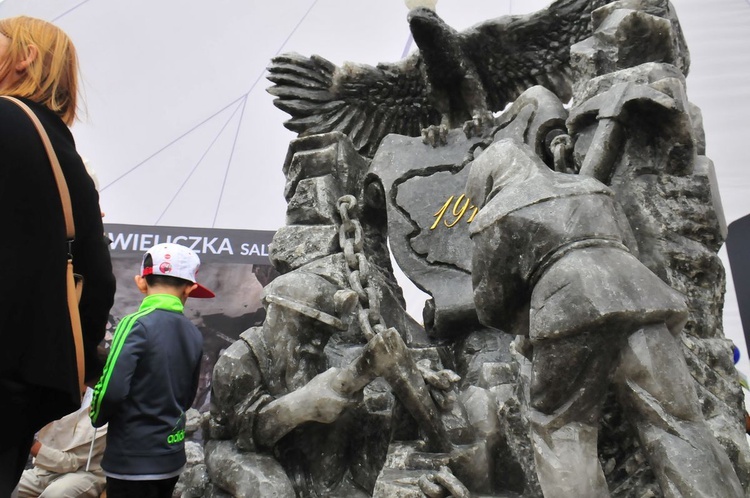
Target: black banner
x: 211, y: 244
x: 738, y: 250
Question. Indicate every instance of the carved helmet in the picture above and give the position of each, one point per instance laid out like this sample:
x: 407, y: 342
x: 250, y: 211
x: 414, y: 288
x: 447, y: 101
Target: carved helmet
x: 312, y: 295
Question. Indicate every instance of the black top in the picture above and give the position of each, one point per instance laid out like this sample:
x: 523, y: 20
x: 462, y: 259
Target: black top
x: 35, y: 333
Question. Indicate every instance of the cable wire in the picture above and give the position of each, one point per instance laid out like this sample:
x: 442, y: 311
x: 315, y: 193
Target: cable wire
x: 208, y: 149
x: 69, y: 10
x: 242, y: 98
x: 229, y: 163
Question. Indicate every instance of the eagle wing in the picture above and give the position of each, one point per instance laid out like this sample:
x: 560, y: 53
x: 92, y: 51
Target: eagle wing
x: 514, y: 53
x: 364, y: 102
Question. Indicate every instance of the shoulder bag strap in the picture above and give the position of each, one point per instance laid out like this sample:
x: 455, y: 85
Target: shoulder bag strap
x: 70, y: 229
x: 73, y: 290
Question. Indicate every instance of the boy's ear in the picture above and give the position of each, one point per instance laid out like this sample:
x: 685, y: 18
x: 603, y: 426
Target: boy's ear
x: 140, y: 282
x: 189, y: 289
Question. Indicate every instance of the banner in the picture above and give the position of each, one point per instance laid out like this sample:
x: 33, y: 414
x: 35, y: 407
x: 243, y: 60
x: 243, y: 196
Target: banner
x: 738, y: 250
x: 234, y: 264
x: 211, y: 244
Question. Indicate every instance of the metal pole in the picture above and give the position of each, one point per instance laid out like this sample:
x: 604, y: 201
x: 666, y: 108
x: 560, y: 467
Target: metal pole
x: 91, y: 449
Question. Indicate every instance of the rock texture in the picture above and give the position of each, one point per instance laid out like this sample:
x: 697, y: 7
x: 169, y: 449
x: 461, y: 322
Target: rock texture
x: 631, y: 126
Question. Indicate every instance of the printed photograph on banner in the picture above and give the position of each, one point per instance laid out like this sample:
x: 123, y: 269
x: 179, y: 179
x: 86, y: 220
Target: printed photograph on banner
x: 234, y: 264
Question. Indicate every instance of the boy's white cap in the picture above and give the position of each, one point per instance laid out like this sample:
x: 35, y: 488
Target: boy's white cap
x: 174, y: 260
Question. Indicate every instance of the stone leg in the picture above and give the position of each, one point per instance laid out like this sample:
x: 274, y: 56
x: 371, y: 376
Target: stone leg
x: 655, y: 388
x: 568, y: 386
x: 246, y: 474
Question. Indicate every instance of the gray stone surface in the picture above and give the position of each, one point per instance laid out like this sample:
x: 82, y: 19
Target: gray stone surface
x: 595, y: 315
x: 455, y: 79
x: 417, y: 181
x: 246, y: 475
x: 454, y: 406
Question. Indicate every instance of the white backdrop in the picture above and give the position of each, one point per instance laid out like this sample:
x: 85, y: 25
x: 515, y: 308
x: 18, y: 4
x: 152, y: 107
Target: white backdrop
x: 181, y: 132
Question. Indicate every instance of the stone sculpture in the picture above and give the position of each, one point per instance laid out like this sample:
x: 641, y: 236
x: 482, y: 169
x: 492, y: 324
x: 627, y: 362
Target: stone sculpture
x: 394, y: 408
x: 453, y: 77
x: 550, y: 263
x: 288, y: 413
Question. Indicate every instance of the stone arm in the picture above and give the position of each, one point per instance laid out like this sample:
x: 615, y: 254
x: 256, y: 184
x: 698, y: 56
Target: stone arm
x: 317, y: 401
x: 500, y: 292
x: 612, y: 110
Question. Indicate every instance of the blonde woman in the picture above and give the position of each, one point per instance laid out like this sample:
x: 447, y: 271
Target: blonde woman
x: 38, y: 376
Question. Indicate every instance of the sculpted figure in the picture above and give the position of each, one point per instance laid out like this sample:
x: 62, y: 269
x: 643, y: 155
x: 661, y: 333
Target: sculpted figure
x: 287, y: 424
x: 553, y: 261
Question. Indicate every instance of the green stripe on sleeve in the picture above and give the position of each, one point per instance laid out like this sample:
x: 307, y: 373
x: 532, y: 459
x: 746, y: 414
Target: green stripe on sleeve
x: 121, y: 333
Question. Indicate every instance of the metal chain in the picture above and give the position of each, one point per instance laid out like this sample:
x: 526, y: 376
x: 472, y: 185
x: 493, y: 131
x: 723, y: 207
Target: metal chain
x: 351, y: 240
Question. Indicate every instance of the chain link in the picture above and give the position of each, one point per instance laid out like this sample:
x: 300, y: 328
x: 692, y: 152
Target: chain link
x: 351, y: 240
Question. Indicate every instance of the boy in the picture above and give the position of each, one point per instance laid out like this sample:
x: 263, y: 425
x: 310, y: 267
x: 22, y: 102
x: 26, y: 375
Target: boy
x: 150, y: 379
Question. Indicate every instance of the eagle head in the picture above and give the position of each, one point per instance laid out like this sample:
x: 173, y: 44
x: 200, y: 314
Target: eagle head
x: 427, y: 28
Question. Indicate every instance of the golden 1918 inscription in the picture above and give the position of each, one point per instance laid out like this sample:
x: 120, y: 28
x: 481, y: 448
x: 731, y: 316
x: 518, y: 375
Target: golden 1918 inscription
x: 460, y: 208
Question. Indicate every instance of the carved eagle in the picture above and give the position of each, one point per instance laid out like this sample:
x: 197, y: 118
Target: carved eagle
x: 452, y: 77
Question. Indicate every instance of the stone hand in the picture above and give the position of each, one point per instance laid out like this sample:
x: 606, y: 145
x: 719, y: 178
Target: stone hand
x: 324, y: 403
x: 316, y: 401
x: 440, y: 382
x: 441, y: 484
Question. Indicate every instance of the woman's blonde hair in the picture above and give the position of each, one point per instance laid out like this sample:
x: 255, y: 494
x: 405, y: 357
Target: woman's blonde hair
x: 52, y: 77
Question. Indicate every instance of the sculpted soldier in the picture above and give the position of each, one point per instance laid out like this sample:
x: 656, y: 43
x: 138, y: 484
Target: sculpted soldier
x: 552, y: 261
x: 288, y: 436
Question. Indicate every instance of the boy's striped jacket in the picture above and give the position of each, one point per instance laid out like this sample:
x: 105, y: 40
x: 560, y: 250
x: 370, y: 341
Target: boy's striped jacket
x: 149, y: 381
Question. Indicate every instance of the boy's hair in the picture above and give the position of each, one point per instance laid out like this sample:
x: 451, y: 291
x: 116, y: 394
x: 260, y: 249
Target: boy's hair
x: 52, y: 78
x: 163, y: 280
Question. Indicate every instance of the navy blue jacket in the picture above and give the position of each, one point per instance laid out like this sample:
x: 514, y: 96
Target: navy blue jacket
x: 149, y: 381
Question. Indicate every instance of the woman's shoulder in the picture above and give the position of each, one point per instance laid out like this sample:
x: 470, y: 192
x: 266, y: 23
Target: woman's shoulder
x: 11, y: 112
x: 17, y: 129
x: 17, y: 132
x: 11, y: 104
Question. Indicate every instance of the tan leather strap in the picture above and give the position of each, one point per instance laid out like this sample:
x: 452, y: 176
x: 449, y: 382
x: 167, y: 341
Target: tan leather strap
x: 62, y: 186
x: 74, y: 295
x: 73, y: 290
